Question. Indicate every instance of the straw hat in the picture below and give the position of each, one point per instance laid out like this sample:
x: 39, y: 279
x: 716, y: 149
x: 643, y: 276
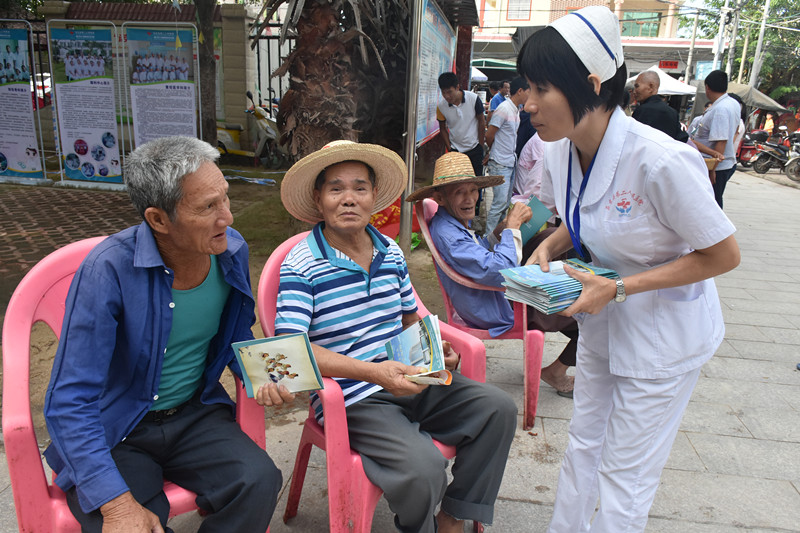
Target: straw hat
x: 454, y: 167
x: 593, y: 34
x: 297, y: 188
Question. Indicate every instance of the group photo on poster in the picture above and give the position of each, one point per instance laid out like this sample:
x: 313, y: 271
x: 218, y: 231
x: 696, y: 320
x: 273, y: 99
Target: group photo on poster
x: 19, y: 151
x: 82, y: 70
x: 162, y: 82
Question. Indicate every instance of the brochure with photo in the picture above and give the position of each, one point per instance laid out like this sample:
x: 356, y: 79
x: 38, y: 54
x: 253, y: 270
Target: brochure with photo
x: 285, y: 360
x: 421, y: 345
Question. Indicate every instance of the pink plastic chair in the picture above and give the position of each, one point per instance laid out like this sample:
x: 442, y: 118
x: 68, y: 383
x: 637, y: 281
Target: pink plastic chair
x: 351, y: 496
x: 41, y: 296
x: 533, y: 340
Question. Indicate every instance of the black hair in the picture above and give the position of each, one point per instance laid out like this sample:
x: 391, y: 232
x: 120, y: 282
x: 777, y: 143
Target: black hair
x: 717, y: 81
x: 517, y: 84
x: 547, y: 59
x: 494, y: 85
x: 321, y: 176
x: 741, y: 105
x: 447, y: 80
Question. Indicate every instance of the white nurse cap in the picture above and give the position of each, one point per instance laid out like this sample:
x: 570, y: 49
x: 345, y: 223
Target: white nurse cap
x: 593, y: 34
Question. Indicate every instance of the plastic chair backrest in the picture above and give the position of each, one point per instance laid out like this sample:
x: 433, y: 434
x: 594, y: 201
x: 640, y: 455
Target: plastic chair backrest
x: 39, y: 297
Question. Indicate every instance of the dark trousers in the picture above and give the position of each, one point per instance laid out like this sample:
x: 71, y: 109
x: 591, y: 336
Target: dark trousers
x: 721, y: 180
x: 538, y: 320
x: 476, y: 158
x: 201, y: 449
x: 393, y: 435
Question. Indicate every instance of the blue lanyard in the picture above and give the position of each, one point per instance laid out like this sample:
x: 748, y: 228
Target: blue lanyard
x: 575, y: 228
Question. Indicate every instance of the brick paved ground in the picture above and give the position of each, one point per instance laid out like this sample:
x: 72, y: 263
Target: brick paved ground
x: 34, y: 221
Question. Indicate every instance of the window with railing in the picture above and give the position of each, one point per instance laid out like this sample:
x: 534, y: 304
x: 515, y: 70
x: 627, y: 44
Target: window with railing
x: 519, y: 10
x: 640, y: 24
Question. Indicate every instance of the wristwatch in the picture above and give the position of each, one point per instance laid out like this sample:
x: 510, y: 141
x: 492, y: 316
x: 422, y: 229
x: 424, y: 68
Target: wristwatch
x: 620, y: 296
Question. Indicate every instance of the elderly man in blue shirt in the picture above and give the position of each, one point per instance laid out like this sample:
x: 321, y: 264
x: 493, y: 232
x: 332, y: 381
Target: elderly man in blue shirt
x: 455, y: 189
x: 134, y: 397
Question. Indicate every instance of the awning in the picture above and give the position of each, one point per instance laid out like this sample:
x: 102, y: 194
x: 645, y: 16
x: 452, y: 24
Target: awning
x: 668, y: 85
x: 754, y: 98
x: 499, y: 64
x: 477, y: 75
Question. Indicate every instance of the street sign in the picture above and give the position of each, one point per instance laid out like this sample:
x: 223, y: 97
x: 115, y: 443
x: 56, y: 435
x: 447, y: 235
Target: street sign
x: 667, y: 65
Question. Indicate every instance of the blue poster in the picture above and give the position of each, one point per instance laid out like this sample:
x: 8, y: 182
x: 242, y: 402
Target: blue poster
x: 19, y: 151
x: 83, y: 79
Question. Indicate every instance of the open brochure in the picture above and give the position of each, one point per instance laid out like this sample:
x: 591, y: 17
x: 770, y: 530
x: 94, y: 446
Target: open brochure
x: 285, y: 360
x: 540, y: 214
x: 548, y: 292
x: 421, y: 345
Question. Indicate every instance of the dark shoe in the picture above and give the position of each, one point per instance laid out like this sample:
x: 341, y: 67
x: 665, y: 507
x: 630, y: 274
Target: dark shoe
x: 565, y: 394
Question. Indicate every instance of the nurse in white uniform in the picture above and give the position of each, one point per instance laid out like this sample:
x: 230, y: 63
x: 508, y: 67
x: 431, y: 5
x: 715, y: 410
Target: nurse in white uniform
x: 641, y: 204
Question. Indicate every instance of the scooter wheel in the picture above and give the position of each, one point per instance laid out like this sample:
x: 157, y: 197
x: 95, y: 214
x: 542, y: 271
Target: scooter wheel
x: 793, y: 170
x: 762, y: 165
x: 745, y: 164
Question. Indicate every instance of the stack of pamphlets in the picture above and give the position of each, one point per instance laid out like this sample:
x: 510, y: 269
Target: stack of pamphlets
x: 285, y: 360
x: 420, y: 345
x: 548, y: 292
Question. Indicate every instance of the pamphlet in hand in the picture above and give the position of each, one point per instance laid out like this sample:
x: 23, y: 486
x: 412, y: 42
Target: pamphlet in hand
x: 548, y: 292
x: 286, y: 360
x: 540, y: 214
x: 421, y: 345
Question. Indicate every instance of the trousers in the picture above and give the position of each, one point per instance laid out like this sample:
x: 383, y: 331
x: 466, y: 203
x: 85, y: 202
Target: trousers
x: 201, y: 449
x: 393, y: 436
x: 620, y: 436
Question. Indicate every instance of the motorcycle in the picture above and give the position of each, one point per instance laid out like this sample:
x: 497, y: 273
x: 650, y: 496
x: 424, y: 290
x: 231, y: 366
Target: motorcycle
x: 776, y: 154
x: 792, y: 169
x: 747, y: 148
x: 263, y: 133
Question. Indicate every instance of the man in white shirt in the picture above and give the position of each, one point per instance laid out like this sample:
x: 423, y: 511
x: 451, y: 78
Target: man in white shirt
x: 501, y: 138
x: 717, y: 130
x: 462, y: 123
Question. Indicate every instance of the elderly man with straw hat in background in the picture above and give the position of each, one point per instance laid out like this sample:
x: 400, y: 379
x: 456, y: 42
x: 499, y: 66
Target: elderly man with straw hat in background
x: 347, y: 286
x: 455, y: 188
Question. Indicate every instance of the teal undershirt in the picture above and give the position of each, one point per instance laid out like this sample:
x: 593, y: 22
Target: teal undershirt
x: 195, y: 321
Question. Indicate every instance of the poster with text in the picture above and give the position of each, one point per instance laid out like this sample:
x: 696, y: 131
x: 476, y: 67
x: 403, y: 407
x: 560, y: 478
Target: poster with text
x: 437, y: 51
x: 163, y: 97
x: 19, y: 151
x: 83, y: 79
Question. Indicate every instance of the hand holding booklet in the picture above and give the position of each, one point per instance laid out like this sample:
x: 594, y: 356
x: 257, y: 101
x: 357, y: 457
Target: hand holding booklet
x: 548, y: 292
x: 286, y: 360
x: 421, y: 345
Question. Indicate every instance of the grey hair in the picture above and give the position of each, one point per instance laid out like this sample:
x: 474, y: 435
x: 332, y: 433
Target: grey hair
x: 154, y: 172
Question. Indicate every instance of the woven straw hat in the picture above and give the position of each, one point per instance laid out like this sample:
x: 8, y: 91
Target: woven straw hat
x: 453, y: 167
x: 297, y: 188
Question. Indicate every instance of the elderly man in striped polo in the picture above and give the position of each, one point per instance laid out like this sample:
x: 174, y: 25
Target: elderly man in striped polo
x: 347, y: 286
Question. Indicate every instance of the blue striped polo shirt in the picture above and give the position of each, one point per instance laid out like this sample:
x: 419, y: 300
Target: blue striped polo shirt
x: 341, y: 306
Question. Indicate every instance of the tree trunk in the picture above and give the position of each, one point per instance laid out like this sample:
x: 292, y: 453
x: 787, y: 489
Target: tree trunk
x: 208, y: 69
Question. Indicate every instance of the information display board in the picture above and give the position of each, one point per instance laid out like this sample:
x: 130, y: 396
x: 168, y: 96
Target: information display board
x: 82, y: 73
x: 162, y: 82
x: 19, y: 150
x: 436, y: 55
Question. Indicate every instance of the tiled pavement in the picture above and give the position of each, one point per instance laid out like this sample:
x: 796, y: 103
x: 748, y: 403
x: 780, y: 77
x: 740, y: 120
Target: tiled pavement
x: 735, y: 465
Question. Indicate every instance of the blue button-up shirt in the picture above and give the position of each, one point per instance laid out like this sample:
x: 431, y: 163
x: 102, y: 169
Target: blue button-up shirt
x: 108, y: 365
x: 473, y: 257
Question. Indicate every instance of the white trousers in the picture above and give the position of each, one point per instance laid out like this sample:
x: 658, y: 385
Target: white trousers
x: 620, y: 437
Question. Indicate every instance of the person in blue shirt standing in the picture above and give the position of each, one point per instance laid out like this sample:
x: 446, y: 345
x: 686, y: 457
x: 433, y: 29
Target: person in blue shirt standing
x: 501, y: 96
x: 134, y: 396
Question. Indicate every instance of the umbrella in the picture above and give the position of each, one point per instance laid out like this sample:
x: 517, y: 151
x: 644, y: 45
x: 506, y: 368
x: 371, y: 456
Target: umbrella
x: 668, y: 84
x: 477, y: 75
x: 755, y: 98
